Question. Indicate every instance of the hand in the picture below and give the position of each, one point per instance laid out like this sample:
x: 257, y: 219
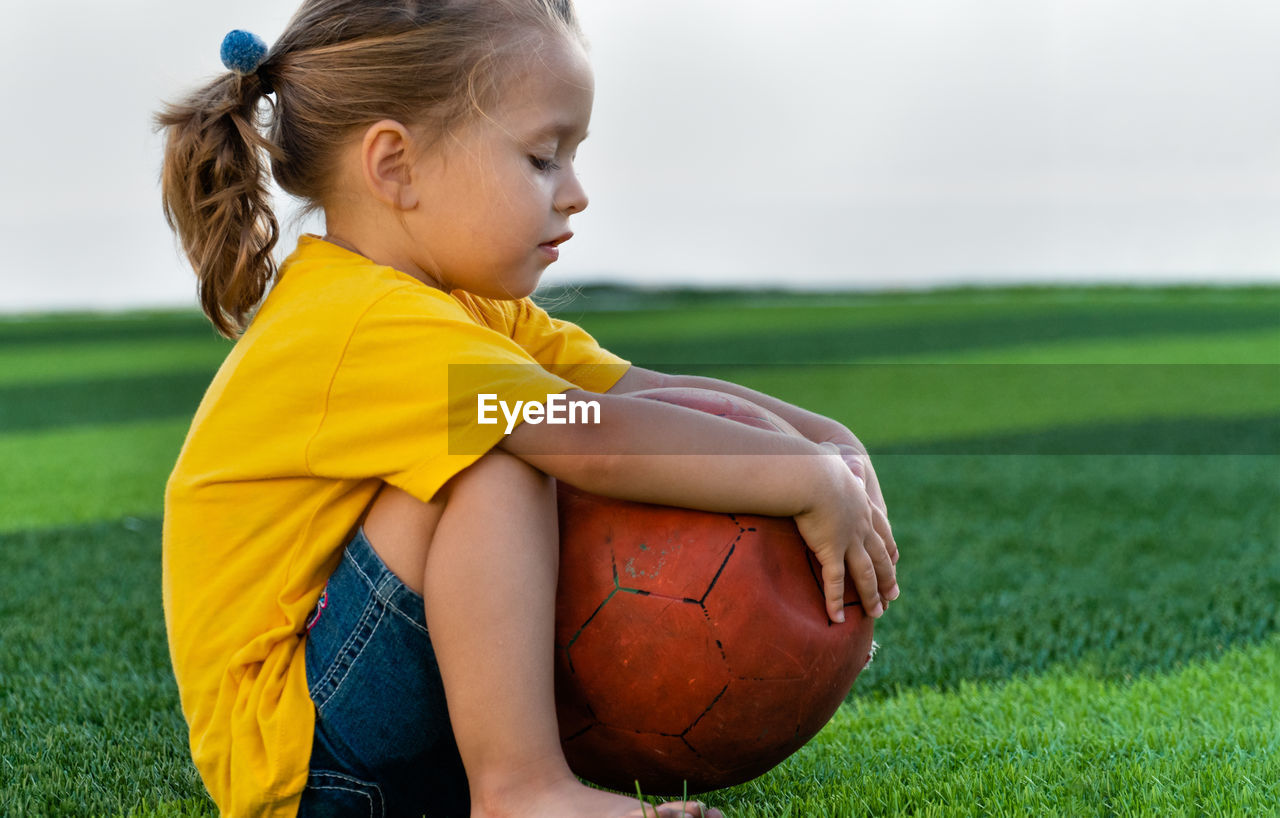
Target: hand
x: 855, y: 457
x: 839, y: 527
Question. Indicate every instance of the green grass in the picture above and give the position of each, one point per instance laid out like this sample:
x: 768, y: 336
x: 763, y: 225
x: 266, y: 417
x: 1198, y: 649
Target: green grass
x: 1202, y: 739
x: 31, y: 363
x: 84, y: 473
x: 894, y: 405
x: 1091, y: 552
x: 88, y: 707
x: 927, y: 328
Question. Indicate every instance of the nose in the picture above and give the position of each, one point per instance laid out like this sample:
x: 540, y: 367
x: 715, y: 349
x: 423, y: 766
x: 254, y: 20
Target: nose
x: 572, y: 196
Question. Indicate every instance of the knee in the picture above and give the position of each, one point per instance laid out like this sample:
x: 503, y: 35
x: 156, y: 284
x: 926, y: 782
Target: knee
x: 499, y: 471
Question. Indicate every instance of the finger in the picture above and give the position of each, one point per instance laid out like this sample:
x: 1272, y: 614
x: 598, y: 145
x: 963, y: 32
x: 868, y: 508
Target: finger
x: 833, y: 589
x: 862, y: 571
x: 886, y: 574
x: 857, y: 464
x: 873, y: 488
x: 876, y: 496
x: 880, y: 522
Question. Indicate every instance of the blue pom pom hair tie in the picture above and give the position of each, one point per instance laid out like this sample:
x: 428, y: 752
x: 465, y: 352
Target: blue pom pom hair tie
x: 243, y: 52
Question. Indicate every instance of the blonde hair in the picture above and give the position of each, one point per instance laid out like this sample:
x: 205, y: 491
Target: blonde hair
x: 339, y: 66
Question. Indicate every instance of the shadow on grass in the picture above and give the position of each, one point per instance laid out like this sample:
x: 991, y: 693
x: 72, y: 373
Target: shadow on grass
x: 740, y: 343
x: 1013, y: 564
x: 1257, y: 434
x: 29, y: 407
x: 57, y: 329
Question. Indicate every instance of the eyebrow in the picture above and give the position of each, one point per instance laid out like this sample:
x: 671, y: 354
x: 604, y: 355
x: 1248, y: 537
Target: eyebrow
x: 560, y: 129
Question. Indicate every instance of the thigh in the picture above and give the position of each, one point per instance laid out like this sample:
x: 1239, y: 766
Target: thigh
x: 383, y: 744
x: 399, y: 526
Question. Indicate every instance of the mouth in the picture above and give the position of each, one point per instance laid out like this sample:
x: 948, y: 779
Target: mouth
x: 552, y: 247
x: 558, y: 240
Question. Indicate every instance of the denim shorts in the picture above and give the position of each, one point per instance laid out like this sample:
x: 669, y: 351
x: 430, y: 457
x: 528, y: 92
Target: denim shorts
x: 383, y: 745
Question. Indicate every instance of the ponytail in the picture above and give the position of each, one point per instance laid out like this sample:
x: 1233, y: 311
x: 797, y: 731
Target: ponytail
x: 339, y: 66
x: 216, y: 198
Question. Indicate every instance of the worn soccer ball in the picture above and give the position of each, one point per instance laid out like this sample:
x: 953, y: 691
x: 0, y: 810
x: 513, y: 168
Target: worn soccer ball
x: 693, y: 648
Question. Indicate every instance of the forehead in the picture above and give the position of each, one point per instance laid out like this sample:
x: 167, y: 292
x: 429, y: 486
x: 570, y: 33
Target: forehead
x: 551, y: 92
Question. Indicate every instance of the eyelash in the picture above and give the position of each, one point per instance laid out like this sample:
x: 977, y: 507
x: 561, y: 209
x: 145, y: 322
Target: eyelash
x: 544, y: 165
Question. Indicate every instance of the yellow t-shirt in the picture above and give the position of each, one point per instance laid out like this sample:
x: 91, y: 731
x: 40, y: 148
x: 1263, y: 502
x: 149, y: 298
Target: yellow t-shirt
x: 342, y: 381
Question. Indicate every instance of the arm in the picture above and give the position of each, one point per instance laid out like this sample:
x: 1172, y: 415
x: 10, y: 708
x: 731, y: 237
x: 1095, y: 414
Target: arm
x: 804, y: 480
x: 813, y: 426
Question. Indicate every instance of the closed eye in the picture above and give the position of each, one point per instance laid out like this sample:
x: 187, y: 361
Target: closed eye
x: 544, y: 165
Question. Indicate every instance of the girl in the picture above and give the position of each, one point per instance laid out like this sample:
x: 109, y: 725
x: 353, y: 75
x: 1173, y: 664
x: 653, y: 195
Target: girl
x: 359, y: 576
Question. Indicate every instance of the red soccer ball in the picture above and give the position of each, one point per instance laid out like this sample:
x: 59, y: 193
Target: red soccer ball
x: 693, y: 646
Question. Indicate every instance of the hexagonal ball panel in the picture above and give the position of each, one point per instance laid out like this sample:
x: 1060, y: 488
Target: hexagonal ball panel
x: 618, y: 758
x: 646, y: 663
x: 669, y: 552
x: 751, y: 728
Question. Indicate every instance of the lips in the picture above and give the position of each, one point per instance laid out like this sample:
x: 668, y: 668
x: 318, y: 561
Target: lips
x: 558, y: 240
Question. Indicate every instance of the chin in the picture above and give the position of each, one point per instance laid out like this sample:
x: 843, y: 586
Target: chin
x: 506, y: 285
x: 526, y: 289
x: 507, y: 294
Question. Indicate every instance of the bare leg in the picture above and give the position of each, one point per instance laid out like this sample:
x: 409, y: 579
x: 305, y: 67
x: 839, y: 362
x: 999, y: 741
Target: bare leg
x: 400, y: 527
x: 489, y: 581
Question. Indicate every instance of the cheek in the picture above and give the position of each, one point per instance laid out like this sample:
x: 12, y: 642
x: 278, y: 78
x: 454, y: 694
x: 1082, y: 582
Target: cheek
x: 526, y: 197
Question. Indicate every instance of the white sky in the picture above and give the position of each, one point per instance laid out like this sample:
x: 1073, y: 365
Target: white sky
x: 814, y: 143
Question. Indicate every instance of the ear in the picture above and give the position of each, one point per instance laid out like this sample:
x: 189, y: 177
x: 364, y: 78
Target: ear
x: 386, y: 160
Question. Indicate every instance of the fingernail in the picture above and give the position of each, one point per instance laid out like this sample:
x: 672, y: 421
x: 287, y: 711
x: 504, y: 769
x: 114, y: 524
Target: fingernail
x: 877, y: 609
x: 893, y: 592
x: 840, y: 615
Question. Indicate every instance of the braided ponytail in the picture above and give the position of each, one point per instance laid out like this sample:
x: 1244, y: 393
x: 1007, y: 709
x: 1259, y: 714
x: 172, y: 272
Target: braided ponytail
x: 215, y: 195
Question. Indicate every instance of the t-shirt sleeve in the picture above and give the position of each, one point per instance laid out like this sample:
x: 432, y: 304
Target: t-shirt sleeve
x: 405, y: 401
x: 565, y: 348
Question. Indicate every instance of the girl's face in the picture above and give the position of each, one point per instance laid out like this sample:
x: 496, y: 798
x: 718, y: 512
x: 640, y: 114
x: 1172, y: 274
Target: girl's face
x: 498, y: 193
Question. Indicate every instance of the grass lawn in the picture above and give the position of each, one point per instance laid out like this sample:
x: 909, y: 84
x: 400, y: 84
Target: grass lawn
x: 1085, y: 484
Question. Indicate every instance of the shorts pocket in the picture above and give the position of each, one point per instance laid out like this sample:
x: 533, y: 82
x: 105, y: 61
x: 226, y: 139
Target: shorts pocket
x: 338, y: 639
x: 334, y: 795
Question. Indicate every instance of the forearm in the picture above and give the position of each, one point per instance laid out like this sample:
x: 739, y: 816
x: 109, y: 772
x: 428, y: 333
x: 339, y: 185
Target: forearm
x: 654, y: 452
x: 813, y: 426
